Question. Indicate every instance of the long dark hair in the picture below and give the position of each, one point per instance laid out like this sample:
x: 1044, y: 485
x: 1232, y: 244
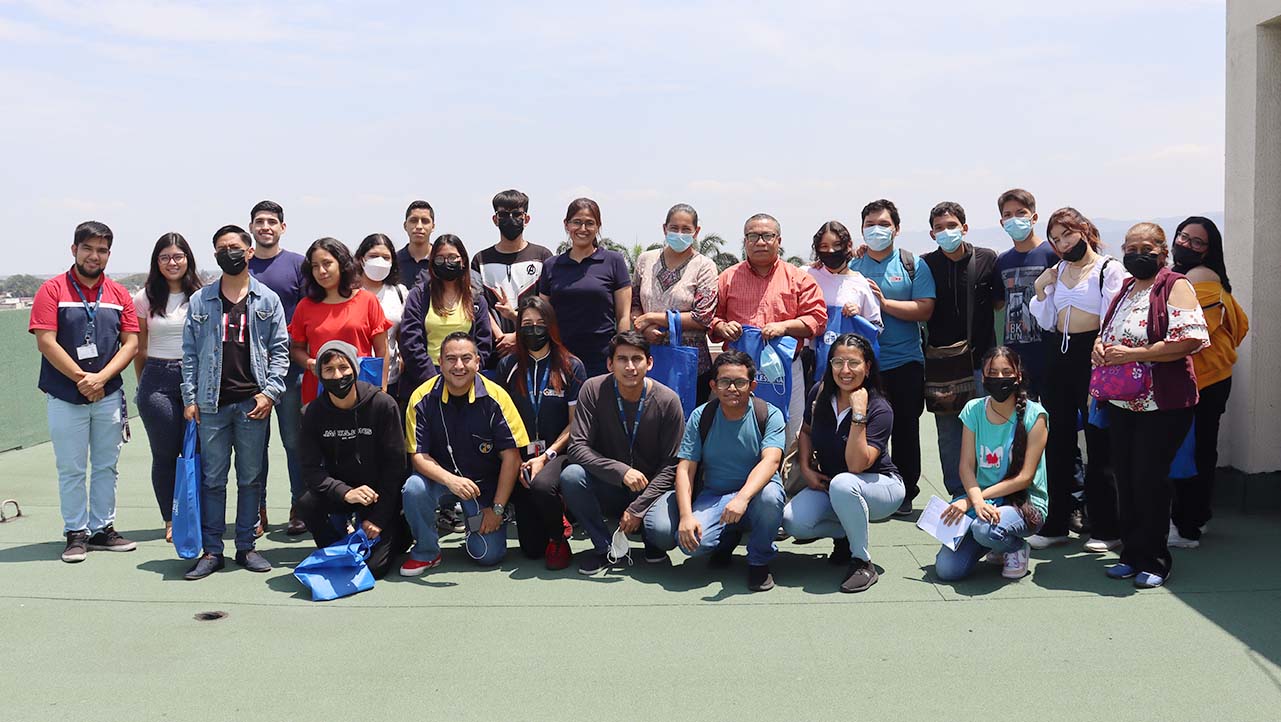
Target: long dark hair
x: 349, y: 272
x: 1214, y: 259
x: 157, y: 285
x: 464, y: 282
x: 871, y: 381
x: 560, y: 357
x: 842, y: 234
x: 367, y: 245
x: 1018, y: 449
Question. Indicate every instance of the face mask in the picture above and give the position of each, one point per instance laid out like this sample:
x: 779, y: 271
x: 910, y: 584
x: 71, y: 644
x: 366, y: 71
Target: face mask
x: 835, y: 260
x: 620, y: 547
x: 377, y: 268
x: 949, y: 240
x: 231, y: 261
x: 1018, y: 228
x: 1187, y: 258
x: 679, y: 241
x: 878, y: 238
x: 1142, y: 265
x: 535, y: 337
x: 340, y: 386
x: 511, y: 228
x: 999, y: 388
x: 1077, y: 252
x: 448, y: 270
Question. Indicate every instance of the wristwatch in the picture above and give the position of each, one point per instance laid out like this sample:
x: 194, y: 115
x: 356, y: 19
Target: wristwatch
x: 499, y: 509
x: 857, y: 418
x: 551, y: 454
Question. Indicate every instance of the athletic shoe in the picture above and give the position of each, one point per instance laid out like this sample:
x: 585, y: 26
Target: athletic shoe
x: 841, y: 555
x: 1148, y: 580
x: 994, y: 557
x: 590, y: 563
x: 723, y: 555
x: 759, y: 579
x: 781, y: 535
x: 566, y: 528
x: 1036, y: 541
x: 1079, y: 522
x: 1099, y: 546
x: 1178, y: 541
x: 859, y: 576
x: 557, y: 555
x: 412, y: 567
x: 204, y: 566
x: 450, y: 521
x: 253, y: 561
x: 109, y: 540
x: 904, y: 509
x: 1121, y: 571
x: 654, y: 555
x: 1016, y: 563
x: 77, y: 547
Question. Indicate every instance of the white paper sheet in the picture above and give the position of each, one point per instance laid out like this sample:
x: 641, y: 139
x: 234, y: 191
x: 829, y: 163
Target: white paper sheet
x: 931, y: 522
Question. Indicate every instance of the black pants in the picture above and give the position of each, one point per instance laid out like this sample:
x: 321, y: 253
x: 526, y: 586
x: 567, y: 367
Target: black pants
x: 314, y: 510
x: 539, y: 510
x: 905, y: 389
x: 1066, y: 396
x: 1143, y: 445
x: 1193, y: 496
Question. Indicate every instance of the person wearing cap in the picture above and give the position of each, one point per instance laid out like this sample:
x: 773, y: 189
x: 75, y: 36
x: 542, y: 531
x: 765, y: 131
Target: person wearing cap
x: 352, y: 455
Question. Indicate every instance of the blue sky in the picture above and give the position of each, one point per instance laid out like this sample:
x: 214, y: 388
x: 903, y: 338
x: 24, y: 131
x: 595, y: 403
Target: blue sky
x: 159, y: 116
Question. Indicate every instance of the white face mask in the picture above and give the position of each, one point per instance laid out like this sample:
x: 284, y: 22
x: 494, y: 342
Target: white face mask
x: 620, y: 547
x: 377, y: 268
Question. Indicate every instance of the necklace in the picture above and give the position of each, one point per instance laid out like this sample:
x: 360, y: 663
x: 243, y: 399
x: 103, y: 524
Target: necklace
x: 1004, y: 419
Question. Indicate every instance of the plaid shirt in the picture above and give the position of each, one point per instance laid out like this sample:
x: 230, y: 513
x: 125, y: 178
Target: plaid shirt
x: 786, y: 293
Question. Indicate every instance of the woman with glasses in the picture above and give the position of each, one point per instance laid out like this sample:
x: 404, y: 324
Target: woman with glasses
x: 162, y: 307
x: 589, y: 286
x: 677, y: 277
x: 843, y: 451
x: 1198, y: 254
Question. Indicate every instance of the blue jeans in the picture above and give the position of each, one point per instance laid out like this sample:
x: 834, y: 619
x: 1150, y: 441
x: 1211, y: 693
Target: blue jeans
x: 86, y: 440
x: 159, y: 405
x: 230, y: 429
x: 949, y: 438
x: 844, y: 510
x: 762, y: 519
x: 422, y: 497
x: 288, y: 413
x: 1005, y: 537
x: 591, y: 499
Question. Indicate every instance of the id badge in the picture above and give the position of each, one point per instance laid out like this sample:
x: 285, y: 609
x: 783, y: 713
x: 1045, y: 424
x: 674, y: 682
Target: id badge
x: 87, y: 351
x: 537, y: 447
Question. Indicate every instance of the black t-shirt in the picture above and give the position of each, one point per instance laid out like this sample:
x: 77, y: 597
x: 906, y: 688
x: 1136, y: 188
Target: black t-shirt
x: 553, y: 407
x: 947, y: 324
x: 829, y: 436
x: 513, y: 272
x: 238, y: 381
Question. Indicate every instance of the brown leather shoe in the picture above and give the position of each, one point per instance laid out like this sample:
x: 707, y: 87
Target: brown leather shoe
x: 296, y: 527
x: 262, y: 522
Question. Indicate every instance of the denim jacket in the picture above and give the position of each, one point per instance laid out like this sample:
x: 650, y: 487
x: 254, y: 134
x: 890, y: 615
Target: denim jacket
x: 202, y: 345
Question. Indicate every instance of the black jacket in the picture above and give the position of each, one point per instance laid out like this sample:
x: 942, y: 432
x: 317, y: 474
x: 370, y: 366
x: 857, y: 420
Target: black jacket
x: 365, y: 445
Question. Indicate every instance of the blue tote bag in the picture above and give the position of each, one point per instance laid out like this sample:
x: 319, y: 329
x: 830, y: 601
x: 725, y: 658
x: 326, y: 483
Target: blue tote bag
x: 676, y: 366
x: 837, y: 324
x: 773, y: 361
x: 1184, y: 464
x: 371, y: 370
x: 186, y: 497
x: 338, y: 570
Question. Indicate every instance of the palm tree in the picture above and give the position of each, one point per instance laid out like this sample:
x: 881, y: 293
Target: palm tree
x: 796, y: 261
x: 724, y: 261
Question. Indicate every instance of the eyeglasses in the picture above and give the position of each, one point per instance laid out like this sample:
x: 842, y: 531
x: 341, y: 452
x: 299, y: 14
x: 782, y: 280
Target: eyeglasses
x: 846, y: 363
x: 739, y: 384
x: 577, y: 223
x: 508, y: 215
x: 755, y: 237
x: 1195, y: 244
x: 167, y: 259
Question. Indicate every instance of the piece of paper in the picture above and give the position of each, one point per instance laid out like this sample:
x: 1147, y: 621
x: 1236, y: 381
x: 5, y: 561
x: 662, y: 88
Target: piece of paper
x: 931, y: 522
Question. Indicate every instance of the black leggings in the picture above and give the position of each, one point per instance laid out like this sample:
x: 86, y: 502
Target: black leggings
x: 905, y: 390
x: 1192, y: 496
x: 539, y: 510
x: 1143, y: 445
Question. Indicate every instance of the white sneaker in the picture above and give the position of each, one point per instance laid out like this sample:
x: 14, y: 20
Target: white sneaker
x: 1016, y: 563
x: 995, y: 557
x: 1177, y: 541
x: 1036, y: 541
x: 1099, y: 546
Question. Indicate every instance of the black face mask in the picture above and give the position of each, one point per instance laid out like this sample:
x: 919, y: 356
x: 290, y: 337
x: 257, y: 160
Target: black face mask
x: 340, y: 386
x: 231, y: 261
x: 1142, y: 265
x: 1077, y: 252
x: 535, y: 337
x: 448, y: 270
x: 511, y: 228
x: 999, y: 388
x: 835, y: 260
x: 1185, y: 258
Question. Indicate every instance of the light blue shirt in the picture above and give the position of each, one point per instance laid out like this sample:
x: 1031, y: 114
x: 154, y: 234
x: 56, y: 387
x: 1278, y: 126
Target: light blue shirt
x: 901, y: 340
x: 737, y: 446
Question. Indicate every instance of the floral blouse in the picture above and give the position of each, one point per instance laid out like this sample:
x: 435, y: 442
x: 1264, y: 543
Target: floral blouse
x: 691, y: 288
x: 1129, y: 328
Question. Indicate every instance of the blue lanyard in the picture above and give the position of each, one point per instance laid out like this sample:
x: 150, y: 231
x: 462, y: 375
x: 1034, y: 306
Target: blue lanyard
x: 622, y: 416
x: 92, y: 313
x: 536, y: 392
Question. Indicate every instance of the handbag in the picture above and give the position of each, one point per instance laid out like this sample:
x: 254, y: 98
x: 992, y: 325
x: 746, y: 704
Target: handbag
x: 1124, y: 382
x: 371, y: 370
x: 188, y: 476
x: 837, y: 325
x: 676, y: 366
x: 338, y: 570
x: 949, y: 370
x: 773, y: 361
x: 1184, y: 464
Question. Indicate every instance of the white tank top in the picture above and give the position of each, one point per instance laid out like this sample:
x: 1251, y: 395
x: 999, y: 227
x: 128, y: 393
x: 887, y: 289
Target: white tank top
x: 1084, y: 296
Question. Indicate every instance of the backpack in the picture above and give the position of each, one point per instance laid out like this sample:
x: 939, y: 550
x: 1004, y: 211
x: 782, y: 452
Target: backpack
x: 759, y: 408
x: 909, y: 263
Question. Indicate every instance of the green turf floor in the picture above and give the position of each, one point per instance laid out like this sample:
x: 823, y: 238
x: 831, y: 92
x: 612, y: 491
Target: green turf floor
x: 115, y: 638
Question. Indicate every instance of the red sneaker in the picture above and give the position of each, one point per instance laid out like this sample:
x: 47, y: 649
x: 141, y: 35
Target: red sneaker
x: 557, y: 555
x: 412, y: 567
x: 567, y: 528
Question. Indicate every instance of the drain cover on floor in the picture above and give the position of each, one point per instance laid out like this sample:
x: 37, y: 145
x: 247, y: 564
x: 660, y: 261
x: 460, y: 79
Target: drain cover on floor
x: 209, y: 616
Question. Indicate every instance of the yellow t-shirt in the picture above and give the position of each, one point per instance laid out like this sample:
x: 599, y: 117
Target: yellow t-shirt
x: 438, y: 327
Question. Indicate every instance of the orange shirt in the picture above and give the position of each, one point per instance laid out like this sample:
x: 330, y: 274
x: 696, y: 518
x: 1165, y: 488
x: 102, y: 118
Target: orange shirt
x: 786, y: 293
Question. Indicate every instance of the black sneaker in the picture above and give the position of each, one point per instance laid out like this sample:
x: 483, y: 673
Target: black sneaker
x: 1078, y: 522
x: 759, y: 579
x: 723, y: 555
x: 109, y: 540
x: 859, y: 576
x: 904, y: 509
x: 205, y: 565
x: 253, y: 561
x: 654, y: 555
x: 841, y: 554
x: 77, y: 548
x: 590, y: 563
x: 449, y: 521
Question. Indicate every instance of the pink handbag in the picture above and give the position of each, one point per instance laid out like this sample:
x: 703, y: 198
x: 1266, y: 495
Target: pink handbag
x: 1125, y: 382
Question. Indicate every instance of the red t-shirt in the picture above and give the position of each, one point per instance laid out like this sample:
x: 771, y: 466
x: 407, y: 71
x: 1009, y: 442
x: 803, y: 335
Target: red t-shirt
x: 357, y: 321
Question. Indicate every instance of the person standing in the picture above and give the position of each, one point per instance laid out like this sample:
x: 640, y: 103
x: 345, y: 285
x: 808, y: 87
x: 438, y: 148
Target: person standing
x: 86, y: 330
x: 420, y: 221
x: 1017, y: 269
x: 379, y: 270
x: 509, y: 270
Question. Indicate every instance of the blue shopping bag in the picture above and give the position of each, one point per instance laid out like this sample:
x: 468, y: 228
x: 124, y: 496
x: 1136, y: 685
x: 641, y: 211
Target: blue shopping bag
x: 773, y: 361
x: 837, y: 324
x: 371, y: 370
x: 338, y: 570
x: 186, y: 497
x: 1184, y: 464
x: 676, y: 366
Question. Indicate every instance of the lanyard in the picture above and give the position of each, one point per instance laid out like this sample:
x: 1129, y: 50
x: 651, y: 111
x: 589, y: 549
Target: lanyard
x: 92, y: 313
x: 622, y: 416
x: 536, y: 391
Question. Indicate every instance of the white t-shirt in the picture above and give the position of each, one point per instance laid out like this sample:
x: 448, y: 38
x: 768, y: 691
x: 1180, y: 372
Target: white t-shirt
x: 840, y: 289
x: 164, y: 332
x: 392, y: 299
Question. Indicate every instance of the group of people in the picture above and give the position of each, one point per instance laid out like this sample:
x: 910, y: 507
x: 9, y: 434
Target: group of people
x: 423, y: 391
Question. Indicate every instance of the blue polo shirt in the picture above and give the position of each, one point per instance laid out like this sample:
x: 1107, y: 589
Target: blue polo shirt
x: 582, y: 292
x: 464, y: 431
x: 282, y: 273
x: 901, y: 340
x: 60, y: 308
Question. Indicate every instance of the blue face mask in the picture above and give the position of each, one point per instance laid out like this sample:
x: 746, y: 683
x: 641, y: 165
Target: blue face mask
x: 679, y: 241
x: 949, y: 240
x: 1018, y: 228
x: 878, y: 238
